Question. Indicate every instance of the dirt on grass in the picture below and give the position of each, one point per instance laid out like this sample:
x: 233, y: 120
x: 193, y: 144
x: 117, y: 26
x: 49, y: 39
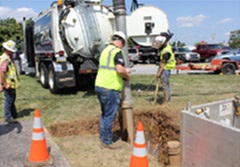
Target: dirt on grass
x: 161, y: 124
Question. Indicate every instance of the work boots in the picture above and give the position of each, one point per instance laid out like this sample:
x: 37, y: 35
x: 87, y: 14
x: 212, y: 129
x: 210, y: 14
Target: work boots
x: 114, y: 146
x: 166, y: 96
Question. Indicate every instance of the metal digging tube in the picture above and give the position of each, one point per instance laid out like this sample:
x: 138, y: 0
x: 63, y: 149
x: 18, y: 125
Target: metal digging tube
x: 127, y: 113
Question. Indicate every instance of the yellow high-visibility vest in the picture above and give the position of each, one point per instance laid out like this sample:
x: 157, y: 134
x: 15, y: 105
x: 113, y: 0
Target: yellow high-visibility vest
x: 11, y: 74
x: 171, y: 63
x: 107, y: 76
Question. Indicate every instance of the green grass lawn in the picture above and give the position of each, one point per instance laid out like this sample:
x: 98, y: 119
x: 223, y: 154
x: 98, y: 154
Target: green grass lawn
x: 83, y: 150
x: 197, y: 89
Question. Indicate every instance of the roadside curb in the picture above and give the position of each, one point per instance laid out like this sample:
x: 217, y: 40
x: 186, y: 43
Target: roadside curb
x: 15, y: 142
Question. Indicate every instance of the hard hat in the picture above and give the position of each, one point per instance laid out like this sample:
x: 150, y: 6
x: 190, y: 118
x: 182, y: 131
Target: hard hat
x: 121, y: 35
x: 10, y: 45
x: 160, y: 39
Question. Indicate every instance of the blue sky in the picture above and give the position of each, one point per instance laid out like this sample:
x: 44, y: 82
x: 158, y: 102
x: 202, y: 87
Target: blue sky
x: 191, y: 21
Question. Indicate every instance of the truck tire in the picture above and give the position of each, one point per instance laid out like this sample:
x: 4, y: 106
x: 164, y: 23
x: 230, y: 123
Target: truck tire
x: 228, y: 68
x: 52, y: 82
x: 43, y: 75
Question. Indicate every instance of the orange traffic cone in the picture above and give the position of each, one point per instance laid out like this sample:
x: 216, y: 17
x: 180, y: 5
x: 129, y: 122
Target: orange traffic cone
x: 139, y: 157
x: 38, y: 151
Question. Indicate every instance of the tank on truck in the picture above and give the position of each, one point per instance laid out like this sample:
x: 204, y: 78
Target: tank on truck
x: 151, y: 21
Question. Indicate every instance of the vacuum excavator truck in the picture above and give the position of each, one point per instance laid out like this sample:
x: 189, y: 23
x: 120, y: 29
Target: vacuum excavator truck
x: 64, y: 42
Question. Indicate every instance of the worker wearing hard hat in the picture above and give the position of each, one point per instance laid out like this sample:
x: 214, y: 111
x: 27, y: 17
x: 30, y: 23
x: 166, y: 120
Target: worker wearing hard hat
x: 9, y: 80
x: 109, y: 84
x: 167, y: 63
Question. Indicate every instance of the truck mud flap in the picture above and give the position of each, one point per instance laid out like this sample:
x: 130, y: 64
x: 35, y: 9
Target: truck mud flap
x: 65, y: 79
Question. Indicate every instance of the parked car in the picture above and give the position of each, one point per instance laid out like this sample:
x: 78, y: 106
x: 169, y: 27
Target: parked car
x: 190, y: 47
x: 148, y: 55
x: 133, y: 55
x: 233, y: 55
x: 208, y: 51
x: 226, y: 49
x: 235, y: 51
x: 184, y: 54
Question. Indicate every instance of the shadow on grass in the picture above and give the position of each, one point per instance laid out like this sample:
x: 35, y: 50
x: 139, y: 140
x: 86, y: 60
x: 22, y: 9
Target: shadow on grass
x: 88, y: 88
x: 143, y: 87
x: 25, y: 112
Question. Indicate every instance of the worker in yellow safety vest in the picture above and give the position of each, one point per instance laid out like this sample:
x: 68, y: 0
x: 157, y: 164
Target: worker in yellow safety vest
x: 109, y: 84
x: 9, y: 80
x: 167, y: 63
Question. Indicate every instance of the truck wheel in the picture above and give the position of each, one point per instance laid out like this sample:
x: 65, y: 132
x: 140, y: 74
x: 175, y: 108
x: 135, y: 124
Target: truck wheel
x: 43, y: 76
x: 152, y: 60
x: 52, y: 80
x: 228, y: 68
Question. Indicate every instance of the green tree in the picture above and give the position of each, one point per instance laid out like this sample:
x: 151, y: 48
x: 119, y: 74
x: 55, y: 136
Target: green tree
x: 178, y: 44
x: 196, y: 44
x: 10, y: 29
x: 234, y: 41
x: 131, y: 43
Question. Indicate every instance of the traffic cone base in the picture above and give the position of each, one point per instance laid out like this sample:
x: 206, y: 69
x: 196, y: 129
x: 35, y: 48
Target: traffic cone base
x: 139, y: 161
x: 40, y: 147
x: 38, y: 152
x: 139, y: 157
x: 47, y: 163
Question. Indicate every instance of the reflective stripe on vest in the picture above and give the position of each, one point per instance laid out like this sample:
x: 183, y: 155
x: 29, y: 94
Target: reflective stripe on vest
x: 171, y: 63
x: 107, y: 76
x: 11, y: 75
x: 107, y: 66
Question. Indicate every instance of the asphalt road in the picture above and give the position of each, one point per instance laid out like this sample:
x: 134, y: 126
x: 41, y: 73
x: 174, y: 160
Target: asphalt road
x: 15, y: 142
x: 152, y: 69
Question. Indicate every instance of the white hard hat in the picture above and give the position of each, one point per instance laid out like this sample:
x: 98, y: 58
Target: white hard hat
x: 10, y: 45
x: 160, y: 39
x: 121, y: 35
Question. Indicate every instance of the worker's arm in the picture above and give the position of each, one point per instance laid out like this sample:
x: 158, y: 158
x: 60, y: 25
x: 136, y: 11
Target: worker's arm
x: 1, y: 81
x: 119, y: 62
x: 160, y: 69
x: 3, y: 69
x: 125, y: 73
x: 164, y: 60
x: 4, y: 82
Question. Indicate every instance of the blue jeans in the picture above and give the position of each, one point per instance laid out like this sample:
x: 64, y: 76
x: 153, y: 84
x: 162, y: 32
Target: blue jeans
x: 109, y: 101
x: 9, y: 104
x: 166, y: 85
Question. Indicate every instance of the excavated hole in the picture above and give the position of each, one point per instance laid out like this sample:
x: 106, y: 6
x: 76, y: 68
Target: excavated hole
x: 162, y: 120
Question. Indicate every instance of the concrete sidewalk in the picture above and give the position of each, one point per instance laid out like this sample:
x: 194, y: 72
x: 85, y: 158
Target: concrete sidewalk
x: 15, y: 143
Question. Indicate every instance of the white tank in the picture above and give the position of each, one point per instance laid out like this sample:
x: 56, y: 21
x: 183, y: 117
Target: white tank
x: 88, y: 29
x: 136, y: 24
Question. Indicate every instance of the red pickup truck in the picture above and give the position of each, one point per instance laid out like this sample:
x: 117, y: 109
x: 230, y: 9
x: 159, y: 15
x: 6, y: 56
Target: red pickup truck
x: 208, y: 51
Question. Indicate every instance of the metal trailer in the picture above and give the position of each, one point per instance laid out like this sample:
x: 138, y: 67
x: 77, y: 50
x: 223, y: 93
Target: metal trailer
x: 210, y: 134
x: 217, y: 66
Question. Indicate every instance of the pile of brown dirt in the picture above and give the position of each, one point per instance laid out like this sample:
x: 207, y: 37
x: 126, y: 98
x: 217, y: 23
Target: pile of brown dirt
x: 76, y: 127
x: 161, y: 125
x: 161, y: 122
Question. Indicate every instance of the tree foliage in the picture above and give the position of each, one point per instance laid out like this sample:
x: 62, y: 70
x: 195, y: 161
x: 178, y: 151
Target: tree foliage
x: 234, y: 41
x: 10, y: 29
